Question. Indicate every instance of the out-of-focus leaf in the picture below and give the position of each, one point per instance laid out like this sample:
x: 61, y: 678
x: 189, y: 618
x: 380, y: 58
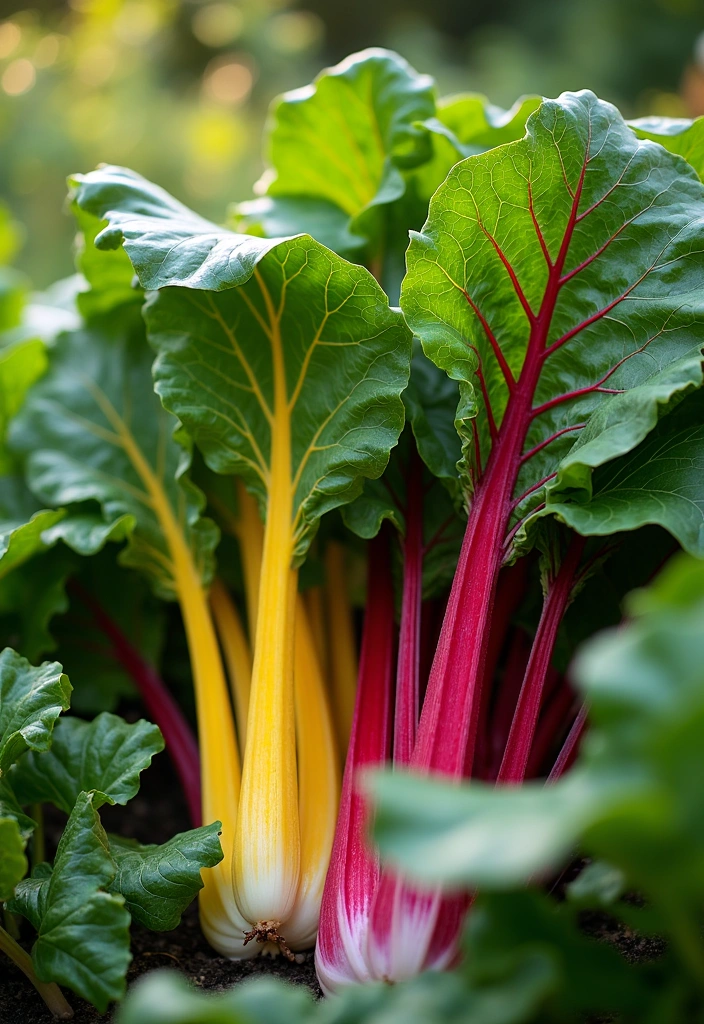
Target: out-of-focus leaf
x: 31, y: 699
x: 13, y: 863
x: 159, y: 882
x: 83, y: 930
x: 105, y: 756
x: 473, y: 125
x: 166, y: 998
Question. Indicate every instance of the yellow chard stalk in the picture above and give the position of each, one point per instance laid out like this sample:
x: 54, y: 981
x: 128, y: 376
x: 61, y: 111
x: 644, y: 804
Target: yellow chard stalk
x: 285, y: 365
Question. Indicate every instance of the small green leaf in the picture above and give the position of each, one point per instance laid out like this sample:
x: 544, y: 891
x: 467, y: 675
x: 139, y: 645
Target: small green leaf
x: 159, y: 882
x: 83, y: 931
x: 661, y: 481
x: 598, y: 884
x: 13, y: 863
x: 31, y: 699
x: 106, y: 756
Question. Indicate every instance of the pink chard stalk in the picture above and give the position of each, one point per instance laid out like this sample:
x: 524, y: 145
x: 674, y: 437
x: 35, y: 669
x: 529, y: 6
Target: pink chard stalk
x: 546, y: 281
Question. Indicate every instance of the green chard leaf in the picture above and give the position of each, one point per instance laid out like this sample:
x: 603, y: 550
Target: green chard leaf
x: 105, y: 756
x: 159, y: 882
x: 344, y: 353
x: 334, y: 184
x: 93, y: 430
x: 677, y: 134
x: 31, y: 700
x: 661, y: 481
x: 571, y: 260
x: 83, y: 930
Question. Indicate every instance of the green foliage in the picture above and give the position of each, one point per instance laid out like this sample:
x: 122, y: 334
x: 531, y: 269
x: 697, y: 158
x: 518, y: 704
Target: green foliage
x: 459, y: 291
x: 345, y: 352
x: 81, y: 906
x: 93, y: 430
x: 82, y: 930
x: 159, y: 882
x: 105, y: 757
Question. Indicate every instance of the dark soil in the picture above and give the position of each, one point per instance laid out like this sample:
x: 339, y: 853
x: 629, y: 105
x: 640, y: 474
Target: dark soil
x: 156, y: 814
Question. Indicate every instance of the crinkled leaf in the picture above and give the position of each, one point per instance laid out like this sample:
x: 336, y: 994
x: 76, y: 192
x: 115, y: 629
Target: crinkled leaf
x: 13, y: 863
x: 31, y: 699
x: 347, y: 138
x: 576, y: 253
x: 677, y: 134
x: 106, y: 756
x: 93, y: 429
x: 167, y: 243
x: 83, y: 931
x: 159, y: 882
x: 661, y: 481
x: 343, y: 355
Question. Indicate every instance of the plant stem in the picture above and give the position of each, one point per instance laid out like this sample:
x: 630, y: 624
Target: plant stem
x: 162, y: 708
x: 571, y: 745
x: 520, y: 739
x: 238, y: 656
x: 354, y: 868
x: 408, y: 665
x: 50, y: 993
x: 38, y: 843
x: 342, y: 653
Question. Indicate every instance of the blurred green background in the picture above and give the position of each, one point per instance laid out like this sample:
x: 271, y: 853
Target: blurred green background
x: 179, y: 89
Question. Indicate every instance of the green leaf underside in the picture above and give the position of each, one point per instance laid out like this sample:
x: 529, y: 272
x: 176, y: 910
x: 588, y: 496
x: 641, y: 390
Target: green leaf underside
x: 630, y: 301
x: 13, y: 863
x: 661, y: 481
x: 106, y: 756
x: 85, y: 429
x: 677, y: 134
x: 345, y: 353
x: 31, y: 699
x: 83, y: 930
x: 159, y: 882
x: 375, y: 99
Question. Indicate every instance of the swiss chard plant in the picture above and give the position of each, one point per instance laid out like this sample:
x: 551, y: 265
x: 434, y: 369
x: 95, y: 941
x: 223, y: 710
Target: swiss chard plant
x: 518, y: 444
